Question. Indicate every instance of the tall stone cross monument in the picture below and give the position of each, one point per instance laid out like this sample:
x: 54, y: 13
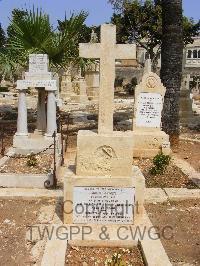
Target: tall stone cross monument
x: 103, y: 172
x: 107, y: 51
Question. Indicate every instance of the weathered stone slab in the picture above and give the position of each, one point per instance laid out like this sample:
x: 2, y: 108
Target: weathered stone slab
x: 38, y: 63
x: 147, y: 144
x: 108, y: 154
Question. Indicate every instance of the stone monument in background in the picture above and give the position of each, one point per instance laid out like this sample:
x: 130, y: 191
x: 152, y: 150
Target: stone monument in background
x: 42, y: 80
x: 148, y: 137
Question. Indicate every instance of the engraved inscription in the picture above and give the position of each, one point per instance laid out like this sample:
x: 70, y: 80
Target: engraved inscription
x: 103, y: 205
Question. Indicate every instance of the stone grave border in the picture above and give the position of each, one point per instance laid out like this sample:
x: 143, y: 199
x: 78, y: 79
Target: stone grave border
x: 12, y: 180
x: 152, y: 251
x: 55, y: 249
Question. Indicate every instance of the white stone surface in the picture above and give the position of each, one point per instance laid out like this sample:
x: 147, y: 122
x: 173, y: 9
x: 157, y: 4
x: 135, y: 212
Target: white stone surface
x: 22, y: 127
x: 51, y: 114
x: 153, y: 195
x: 149, y: 98
x: 29, y: 193
x: 41, y: 111
x: 37, y: 83
x: 177, y: 194
x: 103, y: 205
x: 149, y: 110
x: 38, y: 63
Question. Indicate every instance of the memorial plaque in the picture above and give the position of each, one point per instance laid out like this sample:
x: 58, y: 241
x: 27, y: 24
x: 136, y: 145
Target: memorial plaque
x: 103, y: 205
x: 149, y: 108
x: 38, y: 63
x: 36, y: 83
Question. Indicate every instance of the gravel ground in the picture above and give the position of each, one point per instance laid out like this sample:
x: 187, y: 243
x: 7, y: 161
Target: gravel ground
x: 190, y: 151
x: 16, y: 216
x: 18, y: 166
x: 183, y: 217
x: 173, y: 177
x: 80, y: 256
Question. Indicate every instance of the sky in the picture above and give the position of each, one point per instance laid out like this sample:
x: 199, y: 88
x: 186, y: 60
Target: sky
x: 99, y: 10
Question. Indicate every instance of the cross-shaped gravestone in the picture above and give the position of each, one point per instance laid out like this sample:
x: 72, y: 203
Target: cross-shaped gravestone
x: 107, y: 51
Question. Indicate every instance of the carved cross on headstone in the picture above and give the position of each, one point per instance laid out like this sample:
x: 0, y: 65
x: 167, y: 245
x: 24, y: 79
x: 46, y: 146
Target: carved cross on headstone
x: 107, y: 51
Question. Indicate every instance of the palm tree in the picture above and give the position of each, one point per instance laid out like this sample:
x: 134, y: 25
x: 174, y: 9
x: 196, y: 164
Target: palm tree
x: 171, y: 65
x: 33, y: 33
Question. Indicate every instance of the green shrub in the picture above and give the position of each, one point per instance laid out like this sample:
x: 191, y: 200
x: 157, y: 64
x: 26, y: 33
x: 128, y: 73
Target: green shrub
x: 160, y: 162
x: 32, y: 160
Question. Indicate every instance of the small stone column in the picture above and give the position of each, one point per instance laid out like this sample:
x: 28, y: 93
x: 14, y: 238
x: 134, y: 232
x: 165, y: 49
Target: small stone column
x: 22, y: 128
x: 41, y: 111
x: 51, y: 112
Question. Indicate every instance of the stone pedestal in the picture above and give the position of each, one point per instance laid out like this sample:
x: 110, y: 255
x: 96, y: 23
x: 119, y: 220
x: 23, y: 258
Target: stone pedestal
x: 66, y: 88
x: 147, y: 144
x: 92, y: 81
x: 46, y: 83
x: 131, y: 191
x: 106, y: 154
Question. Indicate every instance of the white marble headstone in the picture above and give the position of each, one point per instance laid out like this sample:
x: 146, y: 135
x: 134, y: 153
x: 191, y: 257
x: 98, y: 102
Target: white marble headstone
x: 149, y: 108
x: 38, y: 63
x: 103, y: 205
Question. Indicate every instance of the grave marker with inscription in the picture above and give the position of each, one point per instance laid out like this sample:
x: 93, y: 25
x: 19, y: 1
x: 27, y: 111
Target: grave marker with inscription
x: 104, y: 178
x: 149, y: 100
x: 103, y: 205
x: 43, y: 82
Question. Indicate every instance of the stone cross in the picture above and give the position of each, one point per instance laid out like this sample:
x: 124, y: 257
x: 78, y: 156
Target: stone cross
x: 107, y: 51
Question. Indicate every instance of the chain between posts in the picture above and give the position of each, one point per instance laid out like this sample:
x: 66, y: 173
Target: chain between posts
x: 27, y: 156
x: 47, y: 183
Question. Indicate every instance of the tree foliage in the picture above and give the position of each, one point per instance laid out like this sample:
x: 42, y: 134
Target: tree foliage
x: 30, y: 31
x: 2, y: 37
x: 141, y: 22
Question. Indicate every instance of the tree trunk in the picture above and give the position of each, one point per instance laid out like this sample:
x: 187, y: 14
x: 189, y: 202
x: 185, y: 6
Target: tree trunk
x: 171, y: 65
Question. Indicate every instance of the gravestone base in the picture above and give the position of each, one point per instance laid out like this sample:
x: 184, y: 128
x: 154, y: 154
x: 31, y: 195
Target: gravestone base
x: 95, y: 190
x: 34, y: 143
x: 104, y: 154
x: 147, y: 144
